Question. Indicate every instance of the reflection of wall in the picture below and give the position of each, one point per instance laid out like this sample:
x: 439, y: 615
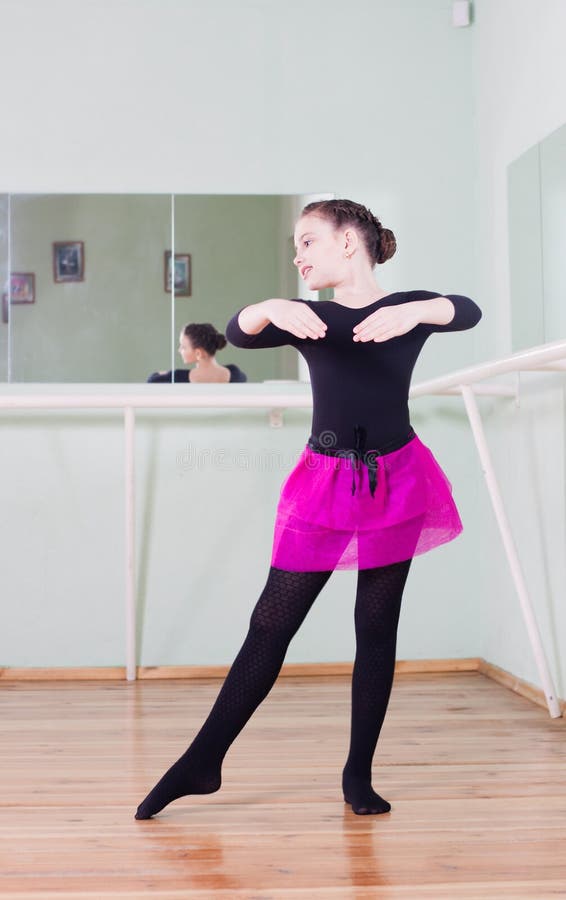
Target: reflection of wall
x: 112, y: 325
x: 537, y: 242
x: 116, y: 325
x: 237, y: 261
x: 525, y: 251
x: 4, y: 329
x: 553, y: 203
x: 293, y: 364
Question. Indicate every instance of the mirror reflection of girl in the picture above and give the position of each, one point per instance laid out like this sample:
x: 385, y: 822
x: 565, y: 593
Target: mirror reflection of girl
x: 198, y: 345
x: 366, y: 493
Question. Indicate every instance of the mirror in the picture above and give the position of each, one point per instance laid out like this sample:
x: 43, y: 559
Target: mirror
x: 90, y: 276
x: 240, y: 254
x: 537, y: 242
x: 4, y: 281
x: 96, y: 310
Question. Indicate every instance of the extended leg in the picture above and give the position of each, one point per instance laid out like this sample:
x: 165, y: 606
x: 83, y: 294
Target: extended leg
x: 282, y: 607
x: 376, y: 616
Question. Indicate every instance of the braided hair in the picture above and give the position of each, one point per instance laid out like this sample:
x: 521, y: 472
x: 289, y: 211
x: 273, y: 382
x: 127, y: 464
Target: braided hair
x: 205, y: 336
x: 380, y: 242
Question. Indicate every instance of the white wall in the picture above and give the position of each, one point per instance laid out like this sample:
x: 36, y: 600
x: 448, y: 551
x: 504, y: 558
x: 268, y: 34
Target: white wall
x: 520, y: 97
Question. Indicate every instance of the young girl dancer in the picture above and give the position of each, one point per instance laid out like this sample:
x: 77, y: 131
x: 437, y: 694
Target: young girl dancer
x: 366, y: 493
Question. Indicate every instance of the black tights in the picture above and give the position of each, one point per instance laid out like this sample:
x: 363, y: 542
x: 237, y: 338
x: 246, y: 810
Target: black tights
x: 280, y: 611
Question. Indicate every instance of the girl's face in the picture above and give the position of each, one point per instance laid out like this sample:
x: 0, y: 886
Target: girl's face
x: 321, y: 250
x: 188, y: 354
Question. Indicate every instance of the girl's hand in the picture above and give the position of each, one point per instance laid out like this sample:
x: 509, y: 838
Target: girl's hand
x: 389, y: 322
x: 298, y: 318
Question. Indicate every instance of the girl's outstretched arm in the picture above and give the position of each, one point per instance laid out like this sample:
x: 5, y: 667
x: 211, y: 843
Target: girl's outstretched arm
x: 423, y: 309
x: 254, y: 326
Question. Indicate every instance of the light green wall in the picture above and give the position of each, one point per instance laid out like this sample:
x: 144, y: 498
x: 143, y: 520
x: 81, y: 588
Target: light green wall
x: 207, y: 484
x: 115, y: 326
x: 529, y: 448
x: 537, y: 240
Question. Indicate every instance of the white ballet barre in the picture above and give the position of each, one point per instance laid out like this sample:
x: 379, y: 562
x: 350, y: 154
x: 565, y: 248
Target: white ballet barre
x: 547, y: 356
x: 151, y: 401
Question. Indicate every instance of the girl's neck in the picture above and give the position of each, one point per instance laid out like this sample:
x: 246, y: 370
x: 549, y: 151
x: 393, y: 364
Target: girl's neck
x: 358, y: 291
x: 210, y: 363
x: 359, y: 298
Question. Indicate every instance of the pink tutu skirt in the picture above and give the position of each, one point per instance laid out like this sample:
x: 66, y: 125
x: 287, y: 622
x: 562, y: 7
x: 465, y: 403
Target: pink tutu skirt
x: 322, y: 526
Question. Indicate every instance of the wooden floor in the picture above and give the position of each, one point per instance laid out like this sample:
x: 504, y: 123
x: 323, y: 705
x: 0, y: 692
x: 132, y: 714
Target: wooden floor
x: 475, y: 773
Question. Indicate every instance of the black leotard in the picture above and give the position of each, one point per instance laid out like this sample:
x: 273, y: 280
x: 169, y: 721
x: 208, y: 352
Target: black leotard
x: 236, y: 375
x: 357, y: 382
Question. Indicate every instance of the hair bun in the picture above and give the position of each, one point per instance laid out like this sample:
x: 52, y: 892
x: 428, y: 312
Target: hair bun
x: 387, y: 244
x: 205, y: 335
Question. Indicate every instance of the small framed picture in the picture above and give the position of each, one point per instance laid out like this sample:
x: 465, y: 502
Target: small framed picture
x: 68, y: 261
x: 22, y: 287
x: 182, y: 274
x: 5, y: 309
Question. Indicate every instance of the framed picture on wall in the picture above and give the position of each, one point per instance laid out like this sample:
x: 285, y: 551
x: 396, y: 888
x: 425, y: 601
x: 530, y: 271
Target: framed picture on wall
x: 68, y: 261
x: 5, y: 309
x: 22, y: 287
x: 182, y: 274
